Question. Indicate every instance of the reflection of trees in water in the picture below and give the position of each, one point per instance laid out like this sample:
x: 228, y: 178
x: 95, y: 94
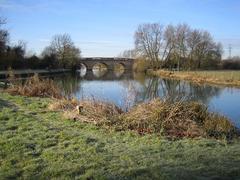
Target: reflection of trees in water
x: 154, y: 87
x: 70, y: 84
x: 203, y: 92
x: 141, y: 88
x: 147, y: 88
x: 176, y: 89
x: 151, y: 90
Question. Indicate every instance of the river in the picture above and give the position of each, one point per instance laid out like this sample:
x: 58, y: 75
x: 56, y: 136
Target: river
x: 128, y: 89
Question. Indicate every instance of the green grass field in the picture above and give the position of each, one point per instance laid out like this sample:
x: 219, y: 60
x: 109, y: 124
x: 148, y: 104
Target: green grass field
x: 220, y: 75
x: 228, y: 78
x: 36, y: 143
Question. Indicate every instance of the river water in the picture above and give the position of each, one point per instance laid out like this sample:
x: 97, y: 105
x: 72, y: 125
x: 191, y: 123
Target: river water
x: 128, y: 89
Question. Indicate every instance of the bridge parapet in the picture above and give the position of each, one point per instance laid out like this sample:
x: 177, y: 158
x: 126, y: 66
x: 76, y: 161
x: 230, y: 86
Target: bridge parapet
x: 109, y: 62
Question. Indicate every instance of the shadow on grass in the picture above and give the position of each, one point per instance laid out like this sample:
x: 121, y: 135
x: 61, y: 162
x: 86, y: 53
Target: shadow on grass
x: 6, y: 104
x: 181, y: 172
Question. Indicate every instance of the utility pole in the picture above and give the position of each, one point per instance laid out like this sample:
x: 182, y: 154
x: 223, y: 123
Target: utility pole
x: 230, y: 51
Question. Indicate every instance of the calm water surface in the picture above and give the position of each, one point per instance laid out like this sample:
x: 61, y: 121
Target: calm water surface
x: 129, y: 89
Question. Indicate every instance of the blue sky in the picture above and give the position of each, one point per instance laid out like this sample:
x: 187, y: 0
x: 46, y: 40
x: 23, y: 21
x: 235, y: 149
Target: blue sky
x: 106, y: 27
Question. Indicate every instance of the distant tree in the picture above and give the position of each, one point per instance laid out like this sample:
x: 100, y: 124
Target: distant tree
x: 148, y: 41
x: 169, y: 40
x: 128, y: 54
x: 177, y: 46
x: 49, y: 58
x: 182, y: 32
x: 63, y: 49
x: 169, y: 51
x: 10, y: 55
x: 4, y: 38
x: 15, y: 55
x: 193, y: 41
x: 33, y: 62
x: 235, y: 58
x: 230, y: 64
x: 207, y: 53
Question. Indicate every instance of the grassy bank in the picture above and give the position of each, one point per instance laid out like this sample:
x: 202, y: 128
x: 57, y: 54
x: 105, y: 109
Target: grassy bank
x: 38, y: 143
x: 5, y: 74
x: 229, y: 78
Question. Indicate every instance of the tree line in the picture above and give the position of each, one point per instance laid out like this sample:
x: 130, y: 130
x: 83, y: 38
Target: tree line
x: 61, y: 53
x: 178, y: 47
x: 173, y: 46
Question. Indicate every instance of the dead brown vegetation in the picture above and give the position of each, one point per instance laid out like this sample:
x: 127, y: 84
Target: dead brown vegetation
x: 174, y: 120
x: 34, y: 87
x: 163, y: 117
x: 228, y: 78
x: 178, y: 119
x: 92, y: 111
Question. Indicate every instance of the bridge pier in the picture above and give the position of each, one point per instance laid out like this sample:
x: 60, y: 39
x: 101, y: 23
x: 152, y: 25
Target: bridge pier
x: 109, y: 75
x: 109, y: 62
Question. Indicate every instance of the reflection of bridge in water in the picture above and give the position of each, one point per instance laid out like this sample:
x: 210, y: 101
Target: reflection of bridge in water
x: 110, y: 63
x: 107, y: 76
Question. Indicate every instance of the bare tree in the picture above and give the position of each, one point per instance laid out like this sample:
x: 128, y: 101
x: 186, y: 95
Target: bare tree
x: 169, y: 42
x: 193, y: 41
x: 128, y: 54
x: 181, y: 45
x: 204, y: 48
x: 148, y: 40
x: 63, y: 48
x: 182, y: 32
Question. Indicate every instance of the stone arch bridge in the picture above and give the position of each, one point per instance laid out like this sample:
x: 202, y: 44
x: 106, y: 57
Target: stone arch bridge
x: 110, y: 63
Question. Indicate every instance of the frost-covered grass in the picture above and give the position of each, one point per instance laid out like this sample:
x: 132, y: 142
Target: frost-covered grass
x: 38, y: 143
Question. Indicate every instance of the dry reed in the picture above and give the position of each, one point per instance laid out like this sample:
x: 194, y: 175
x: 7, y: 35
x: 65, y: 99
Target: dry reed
x: 178, y: 119
x: 35, y: 87
x: 173, y: 120
x: 91, y: 111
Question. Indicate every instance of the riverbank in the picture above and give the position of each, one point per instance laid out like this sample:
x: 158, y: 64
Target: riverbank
x: 4, y: 74
x: 38, y: 143
x: 227, y: 78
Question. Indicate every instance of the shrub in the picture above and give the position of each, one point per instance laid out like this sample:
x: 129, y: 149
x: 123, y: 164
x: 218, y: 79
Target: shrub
x: 231, y: 64
x: 141, y: 65
x: 91, y: 111
x: 176, y: 119
x: 171, y: 119
x: 35, y: 86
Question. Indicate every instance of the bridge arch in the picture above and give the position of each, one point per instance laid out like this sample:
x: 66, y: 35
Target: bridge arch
x: 110, y: 62
x: 100, y: 65
x: 99, y: 69
x: 119, y: 69
x: 83, y: 69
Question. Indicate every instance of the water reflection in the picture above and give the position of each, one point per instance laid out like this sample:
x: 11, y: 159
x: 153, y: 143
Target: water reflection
x: 119, y: 70
x: 144, y: 88
x: 98, y: 73
x: 131, y: 89
x: 70, y: 84
x: 153, y: 87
